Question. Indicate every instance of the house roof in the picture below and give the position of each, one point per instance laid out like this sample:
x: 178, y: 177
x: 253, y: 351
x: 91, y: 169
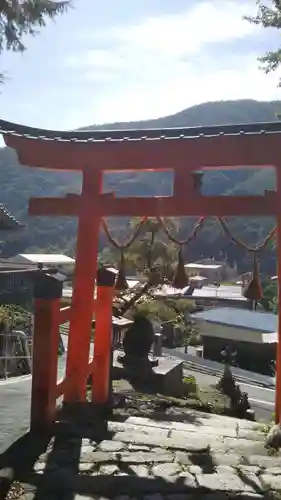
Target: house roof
x: 44, y: 258
x: 240, y: 318
x: 67, y: 291
x: 9, y: 128
x: 7, y: 220
x: 194, y: 265
x: 224, y: 292
x: 197, y: 278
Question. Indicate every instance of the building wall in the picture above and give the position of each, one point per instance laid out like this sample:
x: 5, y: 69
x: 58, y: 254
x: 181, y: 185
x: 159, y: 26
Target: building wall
x: 211, y: 274
x: 229, y: 332
x: 251, y: 354
x: 224, y: 273
x: 214, y: 302
x: 16, y: 288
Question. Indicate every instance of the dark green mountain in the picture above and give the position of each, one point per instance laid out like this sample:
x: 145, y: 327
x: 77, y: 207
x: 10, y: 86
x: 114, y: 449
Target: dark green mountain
x: 18, y: 183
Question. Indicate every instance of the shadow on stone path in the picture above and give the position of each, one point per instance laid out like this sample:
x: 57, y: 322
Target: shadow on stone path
x: 139, y: 458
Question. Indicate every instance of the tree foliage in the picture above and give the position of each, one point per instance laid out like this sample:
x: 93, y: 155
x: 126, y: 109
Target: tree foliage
x: 268, y: 17
x: 153, y: 259
x: 25, y: 17
x: 269, y: 301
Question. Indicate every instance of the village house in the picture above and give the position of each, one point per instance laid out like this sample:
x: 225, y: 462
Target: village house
x: 16, y: 275
x: 252, y: 334
x: 212, y: 270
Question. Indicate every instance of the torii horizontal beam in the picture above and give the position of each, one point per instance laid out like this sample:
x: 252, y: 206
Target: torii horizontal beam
x: 107, y: 205
x: 221, y: 147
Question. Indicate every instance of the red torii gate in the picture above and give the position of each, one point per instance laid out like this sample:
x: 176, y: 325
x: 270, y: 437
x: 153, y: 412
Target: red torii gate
x: 183, y: 151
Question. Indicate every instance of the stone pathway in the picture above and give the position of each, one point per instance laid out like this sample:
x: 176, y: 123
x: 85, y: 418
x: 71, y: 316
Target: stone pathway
x: 15, y: 406
x: 206, y: 457
x: 14, y: 410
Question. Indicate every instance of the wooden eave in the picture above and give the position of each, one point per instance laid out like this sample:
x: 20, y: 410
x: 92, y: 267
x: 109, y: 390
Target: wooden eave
x: 190, y: 148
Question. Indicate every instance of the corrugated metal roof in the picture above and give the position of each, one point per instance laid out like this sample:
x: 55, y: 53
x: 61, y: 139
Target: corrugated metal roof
x: 197, y: 278
x: 8, y: 128
x: 193, y: 265
x: 45, y: 258
x: 224, y: 292
x: 240, y: 318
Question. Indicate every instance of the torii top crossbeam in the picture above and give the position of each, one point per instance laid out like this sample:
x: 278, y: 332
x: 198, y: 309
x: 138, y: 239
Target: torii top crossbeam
x: 195, y: 147
x: 183, y: 150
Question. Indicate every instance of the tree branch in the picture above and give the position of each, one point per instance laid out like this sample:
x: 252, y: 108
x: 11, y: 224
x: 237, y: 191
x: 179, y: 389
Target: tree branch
x: 132, y: 301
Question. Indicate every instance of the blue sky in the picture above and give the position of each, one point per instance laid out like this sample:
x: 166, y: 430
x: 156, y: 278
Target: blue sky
x: 122, y: 60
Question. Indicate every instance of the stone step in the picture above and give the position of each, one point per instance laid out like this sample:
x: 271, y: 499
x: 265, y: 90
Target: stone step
x: 199, y: 419
x: 165, y: 429
x: 155, y: 460
x: 232, y: 427
x: 150, y: 427
x: 163, y: 481
x: 112, y: 468
x: 192, y: 442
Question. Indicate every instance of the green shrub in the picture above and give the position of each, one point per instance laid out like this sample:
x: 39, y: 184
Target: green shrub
x: 190, y: 385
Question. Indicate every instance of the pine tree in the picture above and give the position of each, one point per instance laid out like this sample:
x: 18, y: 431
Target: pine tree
x: 153, y: 258
x: 25, y: 17
x: 268, y: 17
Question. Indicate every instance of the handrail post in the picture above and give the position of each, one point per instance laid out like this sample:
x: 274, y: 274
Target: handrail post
x: 103, y: 337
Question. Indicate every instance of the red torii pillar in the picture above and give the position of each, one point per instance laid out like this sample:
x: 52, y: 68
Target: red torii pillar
x: 84, y: 284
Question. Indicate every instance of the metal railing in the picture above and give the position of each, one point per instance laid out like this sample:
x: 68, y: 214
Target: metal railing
x: 15, y: 353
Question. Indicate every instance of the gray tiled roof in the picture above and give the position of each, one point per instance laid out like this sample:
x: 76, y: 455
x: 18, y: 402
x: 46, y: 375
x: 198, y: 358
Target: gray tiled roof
x: 8, y: 128
x: 7, y: 220
x: 243, y: 318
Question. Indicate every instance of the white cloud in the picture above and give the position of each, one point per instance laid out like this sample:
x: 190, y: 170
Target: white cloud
x: 161, y: 65
x: 188, y: 32
x: 167, y: 37
x: 143, y: 101
x: 99, y: 58
x: 151, y: 68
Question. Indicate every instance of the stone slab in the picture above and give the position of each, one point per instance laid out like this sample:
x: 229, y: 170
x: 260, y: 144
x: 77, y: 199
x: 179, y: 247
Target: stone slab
x: 147, y: 426
x: 209, y: 439
x: 251, y: 434
x: 264, y: 461
x: 243, y: 445
x: 143, y: 429
x: 271, y: 482
x: 232, y: 459
x: 139, y: 447
x: 165, y: 365
x: 145, y: 457
x: 193, y: 420
x: 108, y: 469
x: 166, y: 470
x: 273, y: 470
x: 111, y: 446
x: 223, y: 482
x: 191, y: 444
